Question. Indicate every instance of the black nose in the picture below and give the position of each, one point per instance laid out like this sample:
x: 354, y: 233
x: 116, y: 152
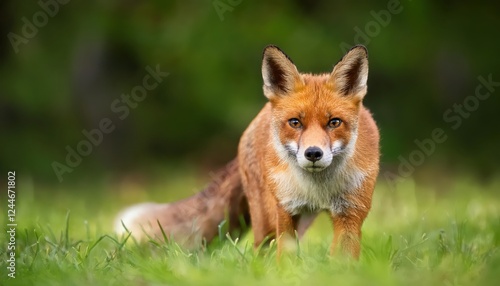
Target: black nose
x: 313, y: 153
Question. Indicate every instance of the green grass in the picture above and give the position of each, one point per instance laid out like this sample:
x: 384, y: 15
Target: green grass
x: 414, y: 235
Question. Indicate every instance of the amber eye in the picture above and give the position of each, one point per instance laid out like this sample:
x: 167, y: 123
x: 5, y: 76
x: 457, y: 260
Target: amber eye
x: 334, y: 123
x: 294, y: 123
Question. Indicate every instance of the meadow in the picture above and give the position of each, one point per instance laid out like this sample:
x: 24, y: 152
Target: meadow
x: 73, y: 68
x: 443, y: 234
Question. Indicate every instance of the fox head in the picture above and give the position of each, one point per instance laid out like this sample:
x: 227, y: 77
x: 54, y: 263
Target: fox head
x: 314, y: 117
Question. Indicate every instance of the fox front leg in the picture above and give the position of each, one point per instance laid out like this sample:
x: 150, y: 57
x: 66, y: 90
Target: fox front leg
x: 285, y: 232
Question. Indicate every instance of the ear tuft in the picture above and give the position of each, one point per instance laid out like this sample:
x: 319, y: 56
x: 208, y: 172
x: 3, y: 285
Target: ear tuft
x: 350, y: 74
x: 278, y: 72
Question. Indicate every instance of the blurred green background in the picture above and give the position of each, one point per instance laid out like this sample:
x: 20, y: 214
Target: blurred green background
x: 425, y: 57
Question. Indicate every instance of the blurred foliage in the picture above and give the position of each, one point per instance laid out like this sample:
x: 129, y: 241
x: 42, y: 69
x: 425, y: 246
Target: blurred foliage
x: 64, y: 79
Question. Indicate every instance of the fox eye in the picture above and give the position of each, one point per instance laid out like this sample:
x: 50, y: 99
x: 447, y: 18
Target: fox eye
x: 294, y: 123
x: 334, y: 123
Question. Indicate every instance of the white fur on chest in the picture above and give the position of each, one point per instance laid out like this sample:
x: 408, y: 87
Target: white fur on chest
x: 299, y: 191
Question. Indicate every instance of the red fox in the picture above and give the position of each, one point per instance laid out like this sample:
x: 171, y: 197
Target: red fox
x: 313, y: 147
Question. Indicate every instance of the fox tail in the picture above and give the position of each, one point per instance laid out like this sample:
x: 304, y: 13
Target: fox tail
x: 193, y: 220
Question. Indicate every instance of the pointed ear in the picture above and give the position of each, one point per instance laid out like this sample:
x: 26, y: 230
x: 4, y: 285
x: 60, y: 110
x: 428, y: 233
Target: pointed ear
x: 278, y: 72
x: 350, y: 74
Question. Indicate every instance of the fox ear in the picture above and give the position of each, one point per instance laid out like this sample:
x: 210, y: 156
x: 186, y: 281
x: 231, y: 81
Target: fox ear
x: 350, y: 74
x: 279, y: 73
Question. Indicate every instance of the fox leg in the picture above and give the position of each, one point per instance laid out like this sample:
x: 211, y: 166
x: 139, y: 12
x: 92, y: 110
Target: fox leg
x: 261, y: 209
x: 285, y: 229
x: 347, y: 224
x: 261, y: 226
x: 347, y: 233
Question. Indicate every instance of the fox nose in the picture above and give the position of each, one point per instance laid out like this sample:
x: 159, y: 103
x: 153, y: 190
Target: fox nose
x: 313, y: 154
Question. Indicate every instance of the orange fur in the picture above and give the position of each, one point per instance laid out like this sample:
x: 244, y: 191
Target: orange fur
x: 273, y: 179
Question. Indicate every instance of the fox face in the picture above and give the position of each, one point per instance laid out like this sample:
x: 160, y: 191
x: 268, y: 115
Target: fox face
x: 314, y: 117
